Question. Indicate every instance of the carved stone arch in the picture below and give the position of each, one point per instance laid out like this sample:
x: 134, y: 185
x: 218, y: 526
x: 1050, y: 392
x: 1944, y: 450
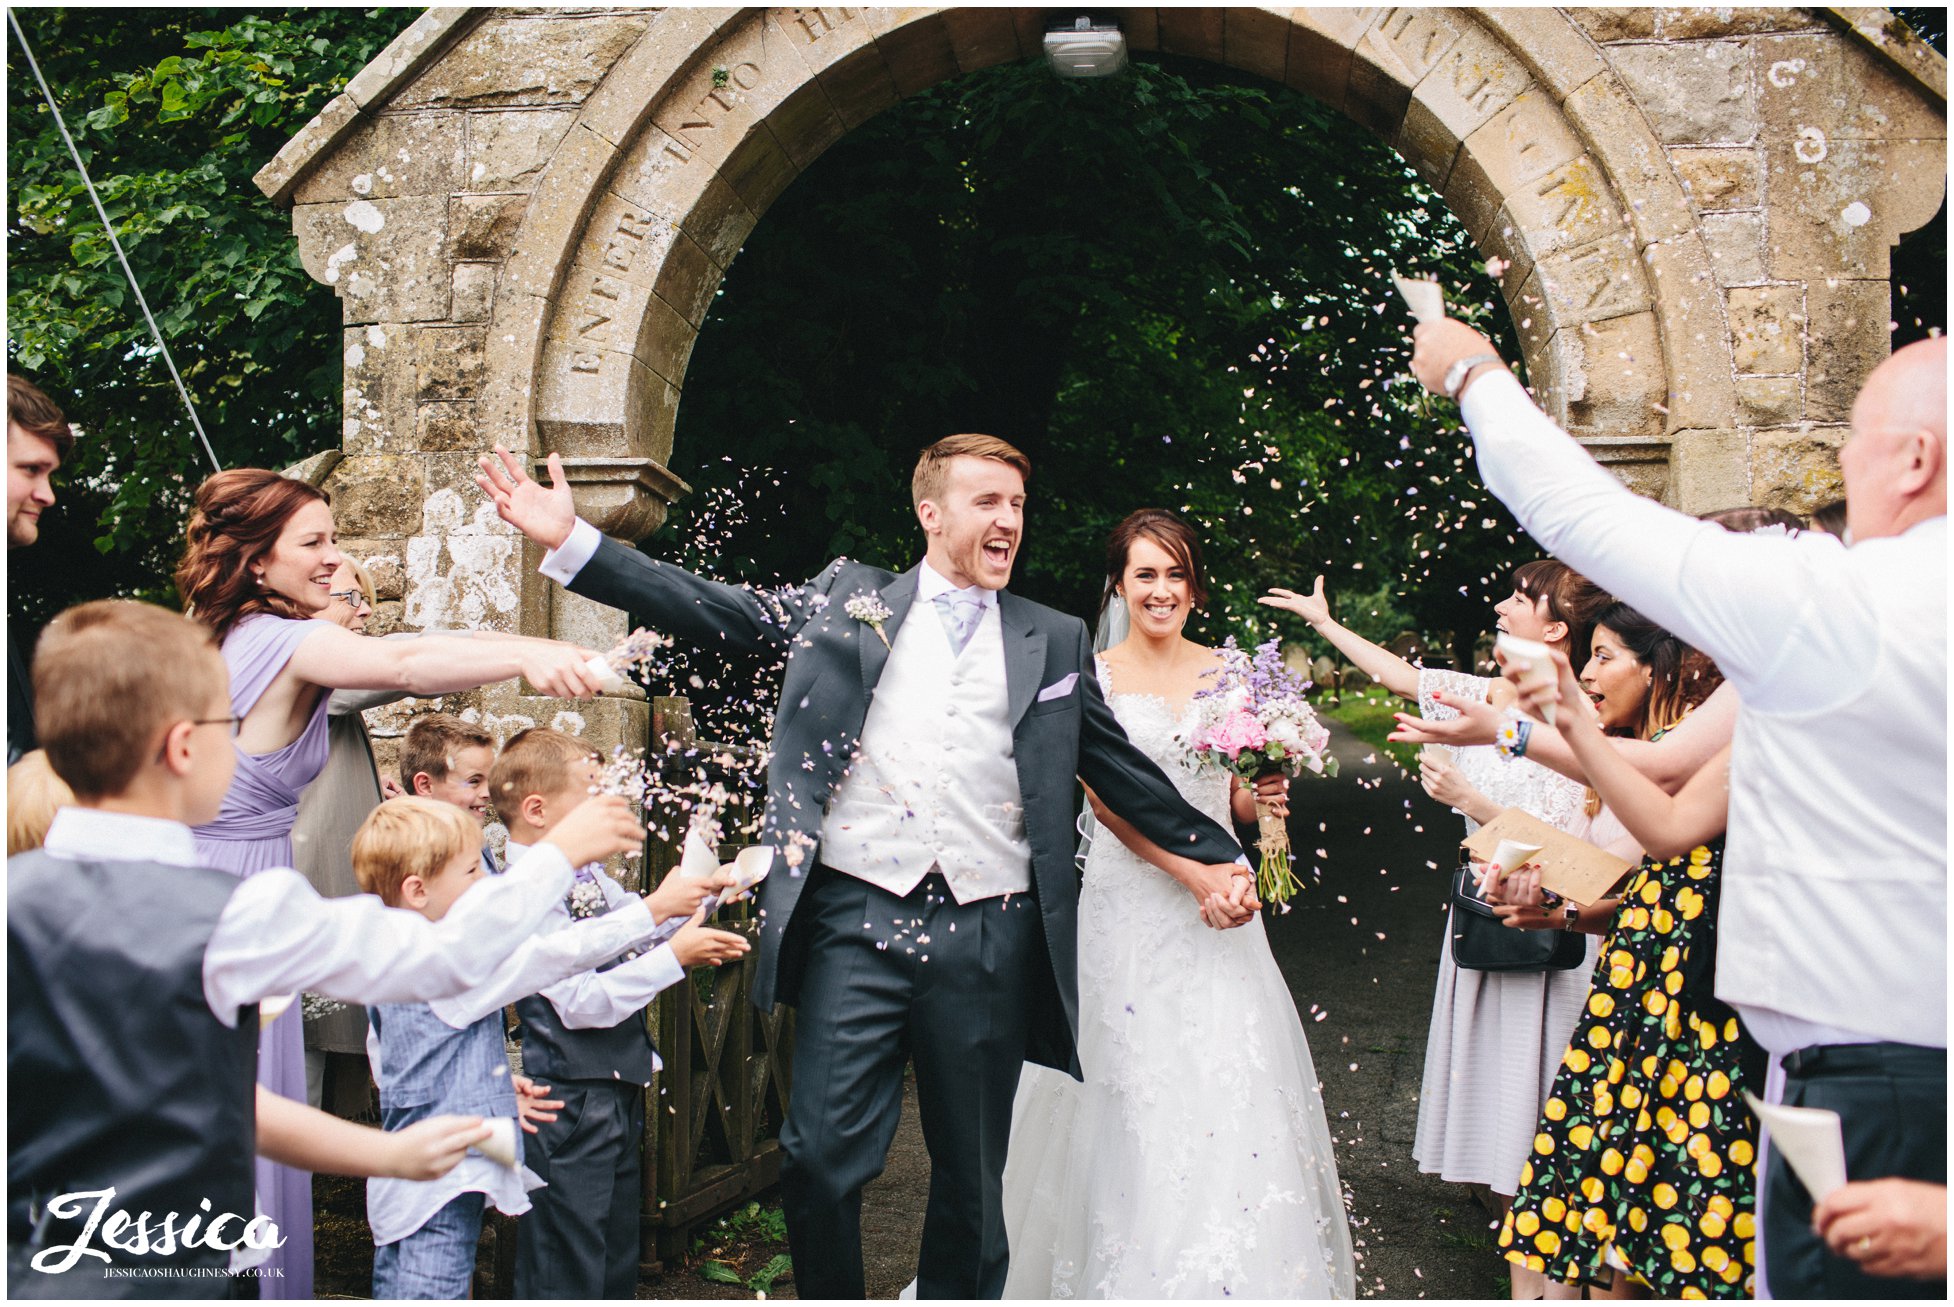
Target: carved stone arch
x: 1512, y: 115
x: 526, y: 212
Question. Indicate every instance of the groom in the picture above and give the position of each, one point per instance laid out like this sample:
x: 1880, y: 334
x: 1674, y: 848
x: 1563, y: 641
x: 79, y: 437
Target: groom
x: 920, y: 794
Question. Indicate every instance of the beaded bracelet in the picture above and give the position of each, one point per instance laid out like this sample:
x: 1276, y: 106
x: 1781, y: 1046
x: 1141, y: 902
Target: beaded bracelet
x: 1511, y: 741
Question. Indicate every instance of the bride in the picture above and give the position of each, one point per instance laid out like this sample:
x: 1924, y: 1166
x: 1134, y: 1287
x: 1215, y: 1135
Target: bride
x: 1194, y: 1162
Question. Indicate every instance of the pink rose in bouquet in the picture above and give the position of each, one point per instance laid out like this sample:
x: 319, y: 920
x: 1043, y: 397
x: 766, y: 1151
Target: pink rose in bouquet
x: 1234, y: 733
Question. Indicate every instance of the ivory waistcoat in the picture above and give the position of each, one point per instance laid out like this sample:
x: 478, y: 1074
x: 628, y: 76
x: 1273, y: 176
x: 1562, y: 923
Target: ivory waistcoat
x: 934, y: 782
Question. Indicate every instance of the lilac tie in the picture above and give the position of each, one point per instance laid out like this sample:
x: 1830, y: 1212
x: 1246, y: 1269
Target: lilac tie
x: 962, y: 610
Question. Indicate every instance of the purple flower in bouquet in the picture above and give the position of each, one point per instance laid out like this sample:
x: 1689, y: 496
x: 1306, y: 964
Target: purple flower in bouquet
x: 1260, y: 723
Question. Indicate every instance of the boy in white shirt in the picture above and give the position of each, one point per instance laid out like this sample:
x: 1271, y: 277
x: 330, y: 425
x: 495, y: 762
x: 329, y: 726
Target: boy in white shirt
x: 134, y: 974
x: 448, y: 1057
x: 586, y: 1036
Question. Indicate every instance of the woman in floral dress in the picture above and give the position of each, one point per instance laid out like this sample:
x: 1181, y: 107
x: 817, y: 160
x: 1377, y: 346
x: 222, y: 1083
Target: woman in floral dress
x: 1642, y: 1171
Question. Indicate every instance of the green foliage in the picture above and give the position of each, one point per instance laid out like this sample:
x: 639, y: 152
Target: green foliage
x: 736, y: 1239
x: 1368, y: 715
x: 1168, y: 288
x: 173, y: 111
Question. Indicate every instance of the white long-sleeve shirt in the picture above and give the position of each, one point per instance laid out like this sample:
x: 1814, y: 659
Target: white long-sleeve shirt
x: 1833, y: 921
x: 594, y: 1000
x: 396, y: 1208
x: 277, y: 936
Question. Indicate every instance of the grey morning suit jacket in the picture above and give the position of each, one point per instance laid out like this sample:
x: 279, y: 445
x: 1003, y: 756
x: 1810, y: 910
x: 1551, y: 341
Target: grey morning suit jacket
x: 832, y: 663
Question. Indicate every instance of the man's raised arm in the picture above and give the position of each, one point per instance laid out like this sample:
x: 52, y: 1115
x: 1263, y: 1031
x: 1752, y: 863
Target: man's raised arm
x: 711, y: 614
x: 1732, y: 596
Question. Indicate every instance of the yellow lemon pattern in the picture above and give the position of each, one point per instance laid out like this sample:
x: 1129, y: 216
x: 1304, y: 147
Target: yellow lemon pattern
x: 1647, y: 1145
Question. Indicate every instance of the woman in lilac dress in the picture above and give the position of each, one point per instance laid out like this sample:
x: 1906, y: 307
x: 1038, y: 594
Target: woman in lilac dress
x: 257, y: 569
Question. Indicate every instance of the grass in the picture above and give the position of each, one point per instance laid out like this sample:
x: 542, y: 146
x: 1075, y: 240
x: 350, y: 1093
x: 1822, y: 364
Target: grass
x: 1367, y: 714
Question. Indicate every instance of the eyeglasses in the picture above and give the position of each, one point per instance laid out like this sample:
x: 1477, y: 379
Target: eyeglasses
x: 351, y: 598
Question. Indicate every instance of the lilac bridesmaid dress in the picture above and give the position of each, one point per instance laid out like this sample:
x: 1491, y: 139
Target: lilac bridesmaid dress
x: 253, y: 832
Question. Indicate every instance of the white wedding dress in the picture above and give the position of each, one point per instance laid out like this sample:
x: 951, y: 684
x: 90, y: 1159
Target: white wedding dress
x: 1195, y: 1160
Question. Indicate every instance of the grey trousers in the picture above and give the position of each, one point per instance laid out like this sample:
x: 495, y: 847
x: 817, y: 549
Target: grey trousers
x: 581, y: 1237
x: 889, y: 980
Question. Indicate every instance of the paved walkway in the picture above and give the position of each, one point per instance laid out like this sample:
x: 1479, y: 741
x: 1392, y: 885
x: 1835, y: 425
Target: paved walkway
x: 1361, y: 949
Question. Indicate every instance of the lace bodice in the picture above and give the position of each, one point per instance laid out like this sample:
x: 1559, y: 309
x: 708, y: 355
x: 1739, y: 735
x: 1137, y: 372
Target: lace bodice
x: 1528, y: 786
x: 1158, y: 729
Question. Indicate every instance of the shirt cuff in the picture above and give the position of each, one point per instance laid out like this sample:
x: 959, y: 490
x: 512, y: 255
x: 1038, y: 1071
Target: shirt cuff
x: 1490, y: 394
x: 562, y: 563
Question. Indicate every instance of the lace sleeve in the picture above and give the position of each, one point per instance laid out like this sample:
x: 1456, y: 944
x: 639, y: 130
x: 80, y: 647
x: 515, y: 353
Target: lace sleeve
x: 1556, y: 800
x: 1460, y: 685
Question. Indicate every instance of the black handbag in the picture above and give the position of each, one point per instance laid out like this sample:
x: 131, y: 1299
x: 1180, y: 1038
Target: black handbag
x: 1481, y: 942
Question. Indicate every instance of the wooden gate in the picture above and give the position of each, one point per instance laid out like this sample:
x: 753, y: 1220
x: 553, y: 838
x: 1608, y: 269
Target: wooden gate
x: 713, y: 1115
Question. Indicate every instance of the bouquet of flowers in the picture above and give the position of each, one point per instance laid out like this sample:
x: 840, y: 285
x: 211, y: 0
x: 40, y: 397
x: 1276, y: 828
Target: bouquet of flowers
x: 1259, y: 724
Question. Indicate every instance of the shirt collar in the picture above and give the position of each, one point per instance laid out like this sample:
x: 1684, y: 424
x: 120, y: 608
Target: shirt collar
x: 930, y: 583
x: 93, y: 834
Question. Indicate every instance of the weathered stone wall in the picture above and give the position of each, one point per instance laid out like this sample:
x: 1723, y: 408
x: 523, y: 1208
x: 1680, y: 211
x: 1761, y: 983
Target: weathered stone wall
x: 525, y: 214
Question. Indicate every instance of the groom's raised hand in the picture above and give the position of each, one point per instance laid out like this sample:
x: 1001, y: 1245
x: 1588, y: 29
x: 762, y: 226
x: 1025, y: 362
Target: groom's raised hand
x: 546, y: 516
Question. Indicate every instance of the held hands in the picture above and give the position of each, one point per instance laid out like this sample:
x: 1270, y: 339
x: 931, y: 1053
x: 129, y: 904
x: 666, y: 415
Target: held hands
x: 1226, y: 894
x: 1891, y: 1227
x: 544, y: 515
x: 697, y: 942
x: 601, y: 825
x: 428, y: 1150
x: 680, y: 896
x: 1437, y: 345
x: 1312, y: 607
x: 533, y: 1103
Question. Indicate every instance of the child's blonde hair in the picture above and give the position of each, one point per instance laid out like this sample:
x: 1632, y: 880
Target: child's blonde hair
x: 410, y: 837
x: 535, y: 761
x: 33, y: 794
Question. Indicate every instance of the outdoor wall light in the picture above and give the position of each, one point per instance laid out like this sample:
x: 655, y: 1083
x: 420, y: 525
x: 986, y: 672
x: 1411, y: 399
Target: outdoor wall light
x: 1086, y: 49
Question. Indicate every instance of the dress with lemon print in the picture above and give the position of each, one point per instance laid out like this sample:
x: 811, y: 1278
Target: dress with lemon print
x: 1646, y: 1159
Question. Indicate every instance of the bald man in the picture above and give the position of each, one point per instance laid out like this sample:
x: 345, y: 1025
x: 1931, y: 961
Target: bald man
x: 1832, y: 943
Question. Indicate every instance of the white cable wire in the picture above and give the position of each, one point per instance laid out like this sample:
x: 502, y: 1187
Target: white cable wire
x: 109, y: 227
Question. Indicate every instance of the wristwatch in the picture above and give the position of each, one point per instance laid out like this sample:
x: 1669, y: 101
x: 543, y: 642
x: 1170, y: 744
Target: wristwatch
x: 1571, y: 918
x: 1455, y: 376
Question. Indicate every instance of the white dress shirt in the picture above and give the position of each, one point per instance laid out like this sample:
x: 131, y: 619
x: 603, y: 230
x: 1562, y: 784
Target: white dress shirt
x: 396, y: 1208
x: 277, y: 936
x: 595, y: 1000
x: 1833, y: 922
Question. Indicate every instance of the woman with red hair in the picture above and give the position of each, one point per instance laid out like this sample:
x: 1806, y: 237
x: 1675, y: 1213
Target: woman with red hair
x: 257, y: 569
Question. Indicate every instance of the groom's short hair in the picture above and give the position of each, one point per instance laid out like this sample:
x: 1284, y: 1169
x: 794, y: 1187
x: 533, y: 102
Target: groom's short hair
x: 933, y: 464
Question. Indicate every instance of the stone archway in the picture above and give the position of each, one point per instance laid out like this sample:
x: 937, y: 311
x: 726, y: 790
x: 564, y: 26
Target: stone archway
x: 526, y: 213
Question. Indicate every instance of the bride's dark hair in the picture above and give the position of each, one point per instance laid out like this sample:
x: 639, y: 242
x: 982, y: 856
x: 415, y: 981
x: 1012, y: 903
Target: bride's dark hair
x: 1165, y: 530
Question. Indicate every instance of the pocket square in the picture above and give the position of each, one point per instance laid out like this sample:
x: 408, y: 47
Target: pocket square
x: 1058, y: 689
